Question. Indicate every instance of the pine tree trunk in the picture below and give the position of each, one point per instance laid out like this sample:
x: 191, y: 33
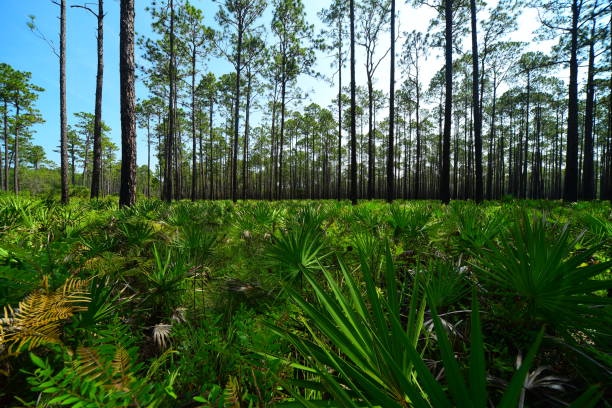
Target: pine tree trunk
x: 391, y: 155
x: 417, y: 174
x: 279, y: 193
x: 194, y: 170
x: 588, y: 174
x: 127, y: 68
x: 16, y: 153
x: 6, y: 156
x: 491, y: 138
x: 339, y: 175
x: 245, y: 144
x: 237, y: 115
x: 148, y: 157
x: 63, y: 126
x: 570, y: 188
x: 476, y: 104
x: 210, y: 153
x: 448, y: 99
x: 353, y: 109
x: 97, y: 142
x: 168, y: 188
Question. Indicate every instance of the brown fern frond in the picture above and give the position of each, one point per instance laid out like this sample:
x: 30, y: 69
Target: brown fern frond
x: 20, y: 338
x: 39, y: 316
x: 89, y: 363
x: 121, y: 369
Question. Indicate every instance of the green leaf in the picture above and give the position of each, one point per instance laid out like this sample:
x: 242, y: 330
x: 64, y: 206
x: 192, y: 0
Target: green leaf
x: 37, y: 360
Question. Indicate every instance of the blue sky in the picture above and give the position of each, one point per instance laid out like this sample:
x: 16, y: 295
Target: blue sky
x: 25, y: 52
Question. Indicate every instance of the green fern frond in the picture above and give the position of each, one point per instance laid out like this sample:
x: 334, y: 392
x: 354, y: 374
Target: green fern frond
x: 232, y: 393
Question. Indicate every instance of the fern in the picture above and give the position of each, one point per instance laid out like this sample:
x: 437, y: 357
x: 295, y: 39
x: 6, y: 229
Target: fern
x: 39, y: 317
x: 102, y: 375
x: 232, y: 394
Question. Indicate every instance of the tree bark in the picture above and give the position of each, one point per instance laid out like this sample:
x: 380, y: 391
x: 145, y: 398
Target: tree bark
x: 6, y: 155
x: 63, y: 126
x: 448, y: 98
x: 245, y: 144
x: 476, y: 104
x: 339, y: 175
x: 279, y: 193
x: 168, y: 188
x: 588, y: 174
x: 127, y: 68
x: 570, y: 188
x: 391, y: 156
x: 148, y: 157
x: 97, y: 142
x: 194, y: 172
x: 353, y: 109
x: 16, y: 153
x: 237, y: 115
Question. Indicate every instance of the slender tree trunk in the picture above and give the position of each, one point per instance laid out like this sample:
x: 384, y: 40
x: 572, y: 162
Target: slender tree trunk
x: 417, y: 174
x: 279, y: 194
x: 6, y: 155
x: 237, y: 115
x: 127, y: 68
x: 72, y: 152
x: 16, y: 153
x: 391, y: 155
x: 273, y: 147
x: 148, y: 157
x: 491, y: 138
x: 607, y: 193
x: 210, y: 142
x: 353, y: 109
x: 194, y: 170
x: 570, y: 188
x: 526, y: 144
x: 448, y: 99
x: 245, y: 144
x: 371, y: 176
x: 476, y: 104
x: 588, y: 174
x: 168, y: 188
x: 339, y: 175
x: 88, y: 139
x: 97, y: 142
x: 63, y: 126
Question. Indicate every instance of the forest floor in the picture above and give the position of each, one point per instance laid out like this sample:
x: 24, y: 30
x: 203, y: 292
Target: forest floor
x: 305, y: 303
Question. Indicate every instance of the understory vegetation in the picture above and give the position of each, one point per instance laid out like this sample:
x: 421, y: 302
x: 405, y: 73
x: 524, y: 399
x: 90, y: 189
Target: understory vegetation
x: 298, y: 303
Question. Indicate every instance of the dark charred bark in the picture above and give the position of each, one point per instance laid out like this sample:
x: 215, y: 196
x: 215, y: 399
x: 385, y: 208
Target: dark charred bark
x: 97, y: 142
x: 588, y: 173
x: 570, y: 188
x: 476, y: 104
x: 127, y: 69
x: 353, y: 109
x: 448, y: 99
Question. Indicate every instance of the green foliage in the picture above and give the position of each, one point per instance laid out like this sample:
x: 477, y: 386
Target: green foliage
x: 177, y: 304
x: 548, y: 280
x: 410, y: 222
x: 296, y: 251
x: 166, y: 282
x: 101, y: 375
